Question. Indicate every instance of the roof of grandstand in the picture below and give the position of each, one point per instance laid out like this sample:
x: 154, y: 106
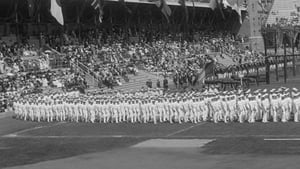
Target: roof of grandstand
x: 72, y: 8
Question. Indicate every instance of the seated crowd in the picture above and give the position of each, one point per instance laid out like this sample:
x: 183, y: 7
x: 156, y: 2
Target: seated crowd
x: 112, y: 55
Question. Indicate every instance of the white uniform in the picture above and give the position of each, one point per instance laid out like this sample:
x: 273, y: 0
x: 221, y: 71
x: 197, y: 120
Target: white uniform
x: 265, y: 109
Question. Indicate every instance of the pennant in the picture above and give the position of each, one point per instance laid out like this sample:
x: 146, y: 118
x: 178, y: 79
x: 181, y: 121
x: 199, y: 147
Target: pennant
x: 125, y: 6
x: 56, y: 11
x: 98, y: 4
x: 165, y: 9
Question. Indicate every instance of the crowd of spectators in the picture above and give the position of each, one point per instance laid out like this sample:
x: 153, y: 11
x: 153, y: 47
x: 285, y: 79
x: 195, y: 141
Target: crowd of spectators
x: 113, y: 56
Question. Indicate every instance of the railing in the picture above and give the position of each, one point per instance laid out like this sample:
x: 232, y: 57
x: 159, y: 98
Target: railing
x: 57, y: 60
x: 80, y: 67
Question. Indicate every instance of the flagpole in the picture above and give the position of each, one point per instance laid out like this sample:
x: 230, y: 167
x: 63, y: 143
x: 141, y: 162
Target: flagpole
x: 16, y: 20
x: 39, y: 22
x: 78, y: 23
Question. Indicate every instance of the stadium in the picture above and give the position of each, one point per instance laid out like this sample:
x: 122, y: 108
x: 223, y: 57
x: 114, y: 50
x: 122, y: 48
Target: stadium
x: 149, y: 84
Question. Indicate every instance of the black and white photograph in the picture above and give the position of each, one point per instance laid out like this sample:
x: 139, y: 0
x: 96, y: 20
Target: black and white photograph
x: 149, y: 84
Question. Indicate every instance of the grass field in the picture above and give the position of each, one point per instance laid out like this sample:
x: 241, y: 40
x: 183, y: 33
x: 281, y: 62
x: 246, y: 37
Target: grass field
x: 24, y: 143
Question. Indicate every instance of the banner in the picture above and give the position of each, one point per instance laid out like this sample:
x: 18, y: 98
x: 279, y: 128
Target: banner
x: 56, y: 11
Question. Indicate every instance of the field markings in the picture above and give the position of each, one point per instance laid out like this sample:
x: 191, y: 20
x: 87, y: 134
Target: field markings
x: 264, y: 137
x: 15, y: 134
x: 71, y: 137
x: 282, y: 139
x: 184, y: 130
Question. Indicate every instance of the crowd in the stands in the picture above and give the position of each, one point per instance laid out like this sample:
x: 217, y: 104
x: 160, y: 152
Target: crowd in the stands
x: 111, y: 56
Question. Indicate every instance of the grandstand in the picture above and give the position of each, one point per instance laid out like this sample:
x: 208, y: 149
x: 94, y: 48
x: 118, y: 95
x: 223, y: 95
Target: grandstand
x: 283, y: 10
x: 105, y: 52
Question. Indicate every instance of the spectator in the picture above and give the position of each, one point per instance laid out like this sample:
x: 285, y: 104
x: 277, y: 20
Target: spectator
x: 158, y: 83
x: 149, y: 83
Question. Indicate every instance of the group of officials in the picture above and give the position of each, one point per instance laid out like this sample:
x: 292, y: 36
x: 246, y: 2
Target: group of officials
x: 154, y: 106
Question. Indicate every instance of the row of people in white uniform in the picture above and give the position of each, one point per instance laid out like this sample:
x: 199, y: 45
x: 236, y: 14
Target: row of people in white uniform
x: 275, y: 105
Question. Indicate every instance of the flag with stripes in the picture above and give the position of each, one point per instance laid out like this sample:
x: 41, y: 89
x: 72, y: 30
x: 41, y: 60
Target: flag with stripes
x: 98, y: 5
x: 56, y: 11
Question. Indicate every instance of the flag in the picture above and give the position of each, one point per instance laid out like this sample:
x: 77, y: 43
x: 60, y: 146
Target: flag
x: 98, y: 4
x: 165, y: 9
x: 262, y: 5
x: 236, y: 8
x: 226, y: 4
x: 56, y: 11
x: 219, y: 5
x: 186, y: 14
x: 30, y: 7
x: 213, y: 4
x: 125, y: 6
x: 296, y: 36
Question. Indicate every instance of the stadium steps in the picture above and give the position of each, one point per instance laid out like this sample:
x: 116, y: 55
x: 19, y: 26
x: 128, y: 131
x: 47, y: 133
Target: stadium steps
x: 138, y: 81
x: 91, y: 81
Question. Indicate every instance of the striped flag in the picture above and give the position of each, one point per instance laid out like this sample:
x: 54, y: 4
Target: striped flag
x: 165, y: 9
x: 56, y: 11
x: 98, y: 4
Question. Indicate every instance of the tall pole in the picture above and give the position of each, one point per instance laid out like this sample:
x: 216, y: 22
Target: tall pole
x: 17, y: 20
x: 266, y: 61
x: 39, y: 22
x: 275, y: 41
x: 285, y: 59
x: 78, y: 23
x: 293, y: 53
x: 276, y: 58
